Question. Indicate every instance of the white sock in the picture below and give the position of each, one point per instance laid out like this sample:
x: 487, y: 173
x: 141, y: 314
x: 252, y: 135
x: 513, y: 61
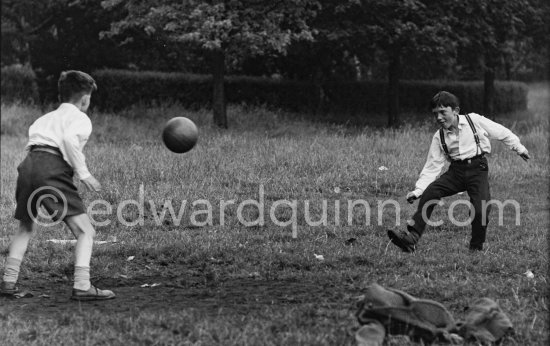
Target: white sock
x: 82, y: 278
x: 11, y: 269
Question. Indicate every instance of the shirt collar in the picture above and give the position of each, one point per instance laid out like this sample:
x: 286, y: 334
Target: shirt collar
x: 461, y: 122
x: 69, y: 105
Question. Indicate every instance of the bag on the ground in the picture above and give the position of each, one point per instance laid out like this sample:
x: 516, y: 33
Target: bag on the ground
x: 399, y: 313
x: 403, y: 314
x: 485, y: 322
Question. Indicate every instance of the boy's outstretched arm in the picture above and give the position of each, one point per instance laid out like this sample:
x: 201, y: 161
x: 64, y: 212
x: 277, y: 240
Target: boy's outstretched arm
x: 503, y: 134
x: 432, y: 168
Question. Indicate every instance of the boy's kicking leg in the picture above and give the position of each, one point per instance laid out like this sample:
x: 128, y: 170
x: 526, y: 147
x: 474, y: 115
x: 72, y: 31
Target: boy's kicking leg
x: 84, y: 233
x: 17, y: 250
x: 448, y: 184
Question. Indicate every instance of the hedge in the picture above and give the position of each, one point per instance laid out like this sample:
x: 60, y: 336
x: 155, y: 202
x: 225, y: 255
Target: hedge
x: 119, y: 89
x: 19, y: 84
x: 357, y: 97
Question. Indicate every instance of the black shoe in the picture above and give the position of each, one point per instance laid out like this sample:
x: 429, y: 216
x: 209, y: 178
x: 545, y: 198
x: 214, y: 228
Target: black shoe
x: 405, y: 240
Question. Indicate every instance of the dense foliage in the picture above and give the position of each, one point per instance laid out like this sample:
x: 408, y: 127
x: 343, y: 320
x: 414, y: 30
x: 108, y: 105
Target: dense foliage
x: 55, y: 35
x: 314, y: 41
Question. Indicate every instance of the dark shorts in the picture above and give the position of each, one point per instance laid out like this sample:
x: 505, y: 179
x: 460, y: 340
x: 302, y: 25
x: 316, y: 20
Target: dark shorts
x: 46, y: 179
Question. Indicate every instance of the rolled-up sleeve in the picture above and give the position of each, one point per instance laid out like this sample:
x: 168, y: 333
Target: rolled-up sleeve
x: 432, y: 168
x: 74, y: 139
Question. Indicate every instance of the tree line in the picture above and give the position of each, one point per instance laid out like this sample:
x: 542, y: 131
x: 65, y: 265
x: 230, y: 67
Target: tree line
x: 309, y: 40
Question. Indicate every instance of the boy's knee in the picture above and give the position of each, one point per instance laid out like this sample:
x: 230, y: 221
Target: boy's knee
x: 86, y: 231
x: 432, y: 192
x: 431, y: 196
x: 90, y: 232
x: 81, y: 225
x: 26, y: 226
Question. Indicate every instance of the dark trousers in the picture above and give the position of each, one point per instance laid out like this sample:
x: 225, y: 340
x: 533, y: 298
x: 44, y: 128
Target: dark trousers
x: 463, y: 176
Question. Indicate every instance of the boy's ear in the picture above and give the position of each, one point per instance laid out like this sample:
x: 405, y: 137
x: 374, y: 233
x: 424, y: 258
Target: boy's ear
x: 84, y: 102
x: 85, y: 99
x: 457, y: 110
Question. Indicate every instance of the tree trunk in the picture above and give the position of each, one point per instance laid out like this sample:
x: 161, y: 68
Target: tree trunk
x: 394, y: 74
x: 218, y: 100
x: 319, y: 96
x: 489, y: 87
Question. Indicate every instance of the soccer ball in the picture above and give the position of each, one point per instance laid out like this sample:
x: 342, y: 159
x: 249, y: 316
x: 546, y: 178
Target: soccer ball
x: 180, y: 135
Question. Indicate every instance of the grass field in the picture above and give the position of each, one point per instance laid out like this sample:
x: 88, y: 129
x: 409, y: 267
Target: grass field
x: 225, y: 283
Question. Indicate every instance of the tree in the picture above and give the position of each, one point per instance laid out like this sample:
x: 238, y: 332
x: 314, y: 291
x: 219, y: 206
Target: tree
x: 225, y: 30
x: 398, y: 28
x: 492, y: 32
x: 23, y: 21
x: 56, y: 35
x: 529, y: 52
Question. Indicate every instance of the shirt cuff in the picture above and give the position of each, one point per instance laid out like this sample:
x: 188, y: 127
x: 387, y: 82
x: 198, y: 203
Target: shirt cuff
x: 520, y: 149
x: 418, y: 192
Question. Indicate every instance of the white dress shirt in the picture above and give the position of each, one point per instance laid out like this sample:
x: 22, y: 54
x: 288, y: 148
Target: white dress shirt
x: 463, y: 146
x: 68, y: 129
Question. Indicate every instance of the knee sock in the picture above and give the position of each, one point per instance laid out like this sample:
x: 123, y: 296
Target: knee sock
x: 82, y: 278
x: 11, y: 269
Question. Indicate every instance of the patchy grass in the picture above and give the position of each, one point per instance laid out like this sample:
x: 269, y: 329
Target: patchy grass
x: 225, y: 283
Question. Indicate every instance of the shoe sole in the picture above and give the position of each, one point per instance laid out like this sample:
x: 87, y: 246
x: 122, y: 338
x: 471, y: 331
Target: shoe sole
x: 7, y: 294
x: 88, y: 298
x: 397, y: 241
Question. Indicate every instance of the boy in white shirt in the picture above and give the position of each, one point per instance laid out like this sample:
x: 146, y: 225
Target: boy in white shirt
x: 463, y: 140
x: 45, y: 178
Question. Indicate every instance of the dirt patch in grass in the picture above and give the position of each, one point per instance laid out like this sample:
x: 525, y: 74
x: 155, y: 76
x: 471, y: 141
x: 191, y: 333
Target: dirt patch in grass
x: 233, y: 295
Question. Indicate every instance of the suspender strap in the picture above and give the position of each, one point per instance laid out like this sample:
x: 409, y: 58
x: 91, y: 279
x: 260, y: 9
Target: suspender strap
x: 443, y: 144
x: 476, y: 137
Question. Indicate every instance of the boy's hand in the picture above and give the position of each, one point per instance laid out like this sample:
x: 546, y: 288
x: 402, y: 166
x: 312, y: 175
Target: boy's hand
x: 525, y: 155
x: 411, y: 197
x: 92, y: 184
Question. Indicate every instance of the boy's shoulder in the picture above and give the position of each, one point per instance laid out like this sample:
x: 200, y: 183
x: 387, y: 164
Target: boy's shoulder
x: 68, y: 112
x: 473, y: 116
x: 72, y: 111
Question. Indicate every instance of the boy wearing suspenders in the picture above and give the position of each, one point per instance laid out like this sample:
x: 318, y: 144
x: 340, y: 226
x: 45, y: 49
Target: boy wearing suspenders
x: 463, y: 140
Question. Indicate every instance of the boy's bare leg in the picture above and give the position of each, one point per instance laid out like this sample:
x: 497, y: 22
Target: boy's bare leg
x: 84, y: 233
x: 17, y: 250
x: 20, y: 241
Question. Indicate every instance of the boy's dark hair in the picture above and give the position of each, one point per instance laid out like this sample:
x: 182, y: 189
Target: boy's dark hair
x: 444, y: 99
x: 73, y: 84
